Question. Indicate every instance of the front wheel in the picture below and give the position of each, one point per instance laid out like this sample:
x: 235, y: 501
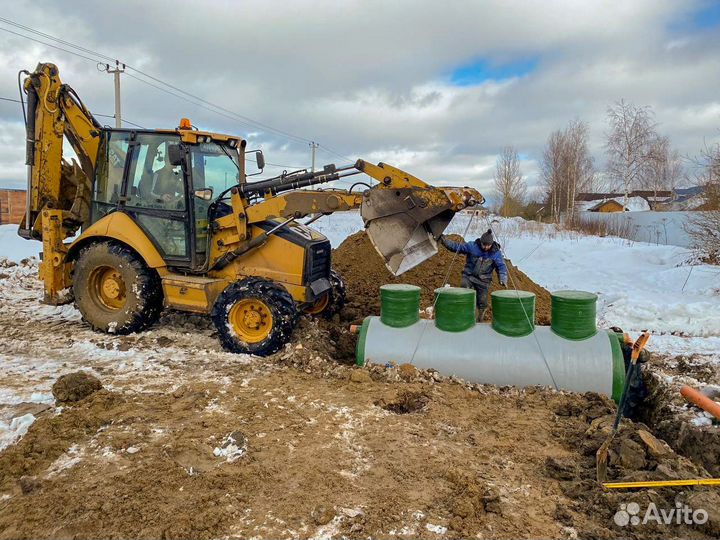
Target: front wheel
x: 254, y: 316
x: 332, y: 301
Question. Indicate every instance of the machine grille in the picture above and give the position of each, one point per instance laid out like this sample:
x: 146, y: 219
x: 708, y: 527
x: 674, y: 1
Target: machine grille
x: 318, y: 262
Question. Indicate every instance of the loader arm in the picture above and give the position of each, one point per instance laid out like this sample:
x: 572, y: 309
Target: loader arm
x: 403, y: 215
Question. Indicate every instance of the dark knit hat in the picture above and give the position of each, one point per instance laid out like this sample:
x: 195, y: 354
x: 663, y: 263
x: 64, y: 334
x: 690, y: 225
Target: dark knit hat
x: 487, y: 238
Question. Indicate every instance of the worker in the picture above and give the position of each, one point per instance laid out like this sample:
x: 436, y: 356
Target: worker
x: 483, y: 256
x: 168, y: 186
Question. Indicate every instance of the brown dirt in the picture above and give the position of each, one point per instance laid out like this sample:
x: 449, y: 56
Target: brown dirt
x: 75, y: 386
x: 363, y: 271
x: 325, y: 456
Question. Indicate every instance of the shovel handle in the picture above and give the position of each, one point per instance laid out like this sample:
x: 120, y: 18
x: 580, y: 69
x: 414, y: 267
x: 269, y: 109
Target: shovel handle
x: 639, y: 345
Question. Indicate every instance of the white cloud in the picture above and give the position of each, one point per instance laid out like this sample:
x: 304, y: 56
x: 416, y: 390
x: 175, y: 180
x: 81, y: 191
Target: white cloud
x: 371, y: 79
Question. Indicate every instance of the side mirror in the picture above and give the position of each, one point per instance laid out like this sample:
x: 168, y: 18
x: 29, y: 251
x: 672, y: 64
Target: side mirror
x: 175, y: 154
x: 260, y: 159
x: 205, y: 194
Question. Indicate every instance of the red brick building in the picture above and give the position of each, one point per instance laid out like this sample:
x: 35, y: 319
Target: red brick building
x: 12, y: 205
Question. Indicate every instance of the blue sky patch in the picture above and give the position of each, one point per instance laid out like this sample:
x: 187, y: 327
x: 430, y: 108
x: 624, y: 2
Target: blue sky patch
x: 482, y: 70
x: 707, y: 16
x: 704, y: 17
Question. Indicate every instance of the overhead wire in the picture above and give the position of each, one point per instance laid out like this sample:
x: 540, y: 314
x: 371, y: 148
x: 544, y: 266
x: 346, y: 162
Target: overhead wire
x: 97, y: 56
x: 94, y: 114
x: 121, y: 119
x: 179, y: 93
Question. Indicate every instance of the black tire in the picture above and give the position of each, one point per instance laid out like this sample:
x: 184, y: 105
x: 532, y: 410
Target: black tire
x: 139, y: 286
x: 261, y: 296
x: 335, y: 300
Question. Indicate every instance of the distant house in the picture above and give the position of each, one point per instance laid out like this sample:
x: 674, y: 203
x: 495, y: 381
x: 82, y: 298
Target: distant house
x: 607, y: 206
x: 12, y: 205
x: 684, y: 194
x: 653, y: 198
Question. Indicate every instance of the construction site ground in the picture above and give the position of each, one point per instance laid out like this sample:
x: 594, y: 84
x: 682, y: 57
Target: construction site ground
x: 185, y: 440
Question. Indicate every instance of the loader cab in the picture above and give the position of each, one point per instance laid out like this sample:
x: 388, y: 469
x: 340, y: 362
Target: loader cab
x: 166, y: 181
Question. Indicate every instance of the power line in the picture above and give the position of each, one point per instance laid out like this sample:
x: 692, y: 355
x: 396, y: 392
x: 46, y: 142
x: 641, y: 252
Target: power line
x: 48, y: 36
x: 123, y: 119
x: 235, y: 116
x: 48, y: 44
x: 246, y: 121
x: 94, y: 114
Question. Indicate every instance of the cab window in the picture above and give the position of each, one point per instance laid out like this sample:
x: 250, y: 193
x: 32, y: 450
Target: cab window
x: 214, y: 166
x: 108, y: 176
x: 153, y: 181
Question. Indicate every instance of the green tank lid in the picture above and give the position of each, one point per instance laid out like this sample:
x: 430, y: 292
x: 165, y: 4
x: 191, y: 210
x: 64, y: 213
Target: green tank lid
x: 573, y: 314
x: 513, y: 312
x: 399, y: 305
x: 454, y: 308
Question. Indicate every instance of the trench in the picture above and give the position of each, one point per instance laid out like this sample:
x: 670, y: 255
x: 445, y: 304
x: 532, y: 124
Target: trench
x: 699, y: 444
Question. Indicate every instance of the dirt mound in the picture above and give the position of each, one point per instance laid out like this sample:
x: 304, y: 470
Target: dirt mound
x: 155, y: 464
x: 363, y: 271
x: 75, y: 386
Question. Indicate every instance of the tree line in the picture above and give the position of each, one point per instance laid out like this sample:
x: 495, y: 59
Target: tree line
x: 638, y: 157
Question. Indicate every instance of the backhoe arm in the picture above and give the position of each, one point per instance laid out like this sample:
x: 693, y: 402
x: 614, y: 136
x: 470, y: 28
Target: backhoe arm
x: 59, y: 192
x: 54, y: 111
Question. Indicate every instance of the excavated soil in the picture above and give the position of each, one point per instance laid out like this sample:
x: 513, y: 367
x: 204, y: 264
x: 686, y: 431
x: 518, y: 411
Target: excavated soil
x: 308, y: 449
x: 364, y: 272
x: 75, y: 386
x: 185, y: 440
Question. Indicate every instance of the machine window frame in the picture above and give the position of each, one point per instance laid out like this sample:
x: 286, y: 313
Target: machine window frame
x: 184, y: 216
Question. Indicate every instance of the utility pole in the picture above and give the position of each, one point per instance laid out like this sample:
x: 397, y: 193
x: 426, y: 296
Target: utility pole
x: 313, y: 147
x: 116, y: 73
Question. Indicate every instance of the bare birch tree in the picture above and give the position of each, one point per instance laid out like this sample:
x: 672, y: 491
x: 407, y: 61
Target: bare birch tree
x: 704, y: 227
x: 632, y: 130
x: 664, y: 167
x: 566, y: 168
x: 509, y: 183
x: 551, y: 172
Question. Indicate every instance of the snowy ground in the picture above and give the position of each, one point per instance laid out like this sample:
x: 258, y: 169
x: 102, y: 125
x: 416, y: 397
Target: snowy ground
x: 652, y: 227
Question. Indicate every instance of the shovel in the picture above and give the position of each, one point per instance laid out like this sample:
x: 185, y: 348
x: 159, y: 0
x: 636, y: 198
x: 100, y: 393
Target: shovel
x: 601, y: 458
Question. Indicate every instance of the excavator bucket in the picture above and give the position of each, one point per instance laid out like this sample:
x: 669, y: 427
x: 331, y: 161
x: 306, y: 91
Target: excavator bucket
x: 404, y: 224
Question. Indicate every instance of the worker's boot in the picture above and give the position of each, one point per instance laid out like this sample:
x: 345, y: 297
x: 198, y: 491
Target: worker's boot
x: 482, y: 315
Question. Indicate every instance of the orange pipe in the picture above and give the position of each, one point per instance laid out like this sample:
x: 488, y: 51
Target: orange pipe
x: 704, y: 402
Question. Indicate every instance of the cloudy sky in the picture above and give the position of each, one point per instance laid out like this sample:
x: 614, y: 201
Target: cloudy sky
x: 437, y: 88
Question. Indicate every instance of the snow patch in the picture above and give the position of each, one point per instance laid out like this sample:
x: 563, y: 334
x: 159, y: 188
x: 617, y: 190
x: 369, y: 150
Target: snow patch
x: 12, y: 431
x: 232, y: 448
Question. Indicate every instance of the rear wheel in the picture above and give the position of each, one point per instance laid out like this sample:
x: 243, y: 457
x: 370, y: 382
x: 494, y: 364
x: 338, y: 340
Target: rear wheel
x: 331, y: 302
x: 114, y: 289
x: 254, y: 316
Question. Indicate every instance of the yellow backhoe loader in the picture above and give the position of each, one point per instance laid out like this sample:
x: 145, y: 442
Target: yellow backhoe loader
x: 167, y: 218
